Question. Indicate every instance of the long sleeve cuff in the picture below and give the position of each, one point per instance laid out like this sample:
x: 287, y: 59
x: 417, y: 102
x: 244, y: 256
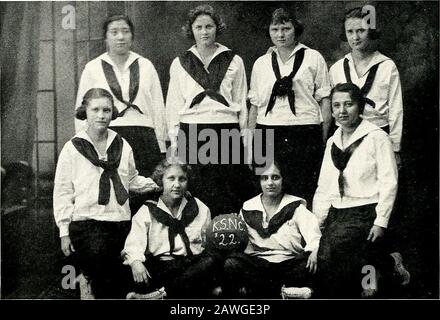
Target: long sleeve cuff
x: 381, y: 222
x: 64, y: 230
x: 322, y: 93
x: 129, y: 259
x: 312, y: 245
x: 396, y: 147
x: 162, y: 146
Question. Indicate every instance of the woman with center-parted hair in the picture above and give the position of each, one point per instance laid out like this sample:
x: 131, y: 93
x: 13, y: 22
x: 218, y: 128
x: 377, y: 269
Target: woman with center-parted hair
x: 207, y: 94
x: 95, y: 171
x: 281, y: 255
x: 137, y: 93
x: 289, y: 94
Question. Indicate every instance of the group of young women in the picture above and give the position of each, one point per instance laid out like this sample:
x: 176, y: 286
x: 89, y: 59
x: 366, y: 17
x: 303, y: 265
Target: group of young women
x: 294, y: 248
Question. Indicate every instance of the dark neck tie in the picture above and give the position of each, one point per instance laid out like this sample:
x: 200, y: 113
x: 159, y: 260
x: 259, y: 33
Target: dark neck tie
x: 368, y: 83
x: 113, y: 83
x: 254, y: 218
x: 340, y: 160
x: 110, y: 167
x: 283, y: 86
x: 176, y: 226
x: 210, y: 81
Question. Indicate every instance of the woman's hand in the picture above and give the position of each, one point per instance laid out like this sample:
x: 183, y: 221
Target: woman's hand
x: 140, y: 273
x: 312, y: 262
x: 398, y: 160
x: 376, y: 233
x: 67, y: 246
x: 151, y: 186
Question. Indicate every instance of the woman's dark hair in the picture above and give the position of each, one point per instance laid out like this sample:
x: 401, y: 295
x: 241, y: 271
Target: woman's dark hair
x: 281, y: 15
x: 95, y: 93
x: 205, y: 10
x: 283, y: 168
x: 117, y: 18
x: 163, y: 166
x: 354, y: 92
x: 357, y: 13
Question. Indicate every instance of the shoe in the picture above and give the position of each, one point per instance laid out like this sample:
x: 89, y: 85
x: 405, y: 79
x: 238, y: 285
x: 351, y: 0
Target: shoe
x: 217, y: 291
x: 242, y: 292
x: 85, y: 288
x: 159, y: 294
x: 368, y: 293
x: 400, y: 270
x: 296, y: 293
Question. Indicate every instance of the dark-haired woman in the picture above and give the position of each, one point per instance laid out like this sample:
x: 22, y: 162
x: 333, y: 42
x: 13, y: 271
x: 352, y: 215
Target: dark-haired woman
x: 373, y: 72
x: 136, y: 90
x: 206, y: 103
x: 281, y: 256
x: 289, y: 95
x: 379, y: 80
x: 353, y: 202
x: 95, y: 171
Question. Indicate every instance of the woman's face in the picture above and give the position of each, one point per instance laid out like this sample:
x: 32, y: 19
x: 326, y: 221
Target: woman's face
x: 204, y: 30
x: 283, y: 35
x: 175, y: 183
x: 345, y: 110
x: 99, y: 114
x: 271, y: 182
x: 357, y: 35
x: 118, y: 37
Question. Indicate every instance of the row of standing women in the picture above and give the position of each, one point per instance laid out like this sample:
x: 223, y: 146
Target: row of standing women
x: 289, y: 93
x: 208, y: 90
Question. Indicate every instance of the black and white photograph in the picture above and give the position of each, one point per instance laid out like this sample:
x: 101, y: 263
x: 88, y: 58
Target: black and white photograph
x: 230, y: 151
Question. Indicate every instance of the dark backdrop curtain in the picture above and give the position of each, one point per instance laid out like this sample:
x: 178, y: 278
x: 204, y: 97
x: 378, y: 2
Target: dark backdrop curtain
x: 20, y: 35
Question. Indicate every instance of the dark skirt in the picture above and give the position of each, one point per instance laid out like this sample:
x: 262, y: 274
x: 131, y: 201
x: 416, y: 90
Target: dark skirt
x: 299, y: 149
x: 146, y: 154
x: 261, y: 278
x: 98, y: 246
x: 182, y: 277
x: 344, y: 251
x: 224, y: 183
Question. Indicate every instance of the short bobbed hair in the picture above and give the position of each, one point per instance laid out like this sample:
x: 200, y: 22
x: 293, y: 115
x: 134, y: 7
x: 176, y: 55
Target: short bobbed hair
x: 203, y: 10
x: 354, y: 92
x: 163, y: 166
x: 373, y: 34
x: 117, y: 18
x: 95, y: 93
x: 281, y: 15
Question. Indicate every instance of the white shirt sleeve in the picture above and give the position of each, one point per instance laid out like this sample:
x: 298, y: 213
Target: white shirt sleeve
x: 322, y: 79
x: 158, y: 108
x: 63, y: 193
x: 322, y: 199
x: 386, y: 179
x: 254, y: 91
x: 137, y: 183
x: 175, y: 101
x: 395, y: 104
x: 239, y: 92
x: 308, y: 226
x: 137, y: 239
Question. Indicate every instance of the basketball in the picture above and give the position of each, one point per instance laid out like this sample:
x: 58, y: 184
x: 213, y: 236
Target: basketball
x: 227, y: 232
